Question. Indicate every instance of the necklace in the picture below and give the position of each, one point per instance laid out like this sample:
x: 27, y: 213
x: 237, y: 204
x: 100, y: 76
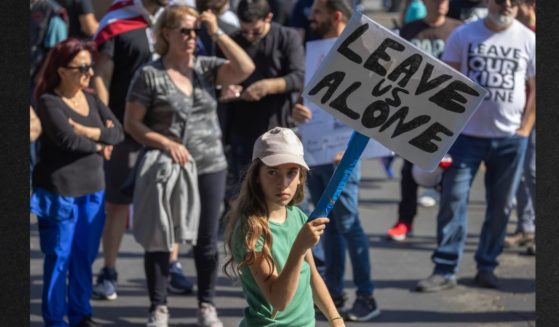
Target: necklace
x: 73, y: 100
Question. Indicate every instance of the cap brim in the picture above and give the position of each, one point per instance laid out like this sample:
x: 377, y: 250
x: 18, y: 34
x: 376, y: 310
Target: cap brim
x: 280, y: 159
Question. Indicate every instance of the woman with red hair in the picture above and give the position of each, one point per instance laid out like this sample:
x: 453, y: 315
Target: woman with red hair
x: 68, y: 180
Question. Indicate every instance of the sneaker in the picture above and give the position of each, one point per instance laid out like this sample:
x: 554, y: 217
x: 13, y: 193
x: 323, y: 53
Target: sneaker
x: 487, y: 279
x: 435, y: 283
x: 159, y: 317
x: 364, y: 309
x: 518, y: 239
x: 178, y: 282
x: 86, y: 322
x: 399, y: 231
x: 207, y: 316
x: 429, y: 198
x: 106, y: 286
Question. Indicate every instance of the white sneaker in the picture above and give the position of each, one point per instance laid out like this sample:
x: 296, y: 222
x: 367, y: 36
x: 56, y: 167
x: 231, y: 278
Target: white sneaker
x: 429, y: 198
x: 159, y: 317
x: 207, y: 316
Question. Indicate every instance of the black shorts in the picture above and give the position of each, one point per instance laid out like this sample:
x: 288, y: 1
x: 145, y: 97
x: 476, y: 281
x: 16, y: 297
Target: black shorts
x: 118, y: 168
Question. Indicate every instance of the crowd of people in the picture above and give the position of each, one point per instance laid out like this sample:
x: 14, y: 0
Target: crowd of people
x: 178, y: 118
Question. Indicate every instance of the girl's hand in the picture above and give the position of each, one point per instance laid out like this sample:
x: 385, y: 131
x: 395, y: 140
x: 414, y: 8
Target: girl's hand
x: 178, y: 152
x: 310, y: 233
x: 337, y: 323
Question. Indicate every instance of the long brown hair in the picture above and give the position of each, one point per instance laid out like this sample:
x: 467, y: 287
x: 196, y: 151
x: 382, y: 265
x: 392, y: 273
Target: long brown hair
x: 251, y: 213
x: 60, y: 56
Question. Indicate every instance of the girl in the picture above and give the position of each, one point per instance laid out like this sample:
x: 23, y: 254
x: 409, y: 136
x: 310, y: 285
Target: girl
x: 268, y: 239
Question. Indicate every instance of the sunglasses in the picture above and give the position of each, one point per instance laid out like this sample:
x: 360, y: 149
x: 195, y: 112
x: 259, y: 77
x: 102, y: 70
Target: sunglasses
x: 84, y: 69
x: 512, y: 2
x: 188, y: 31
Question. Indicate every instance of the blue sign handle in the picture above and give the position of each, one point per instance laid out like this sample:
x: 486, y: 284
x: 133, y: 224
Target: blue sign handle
x: 355, y: 147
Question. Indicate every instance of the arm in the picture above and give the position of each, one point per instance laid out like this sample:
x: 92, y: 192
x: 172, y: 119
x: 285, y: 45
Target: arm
x: 280, y: 288
x: 301, y: 114
x: 107, y: 133
x: 57, y: 128
x: 239, y: 65
x: 293, y: 64
x: 103, y: 74
x: 88, y: 24
x: 86, y: 16
x: 321, y: 296
x: 529, y: 117
x: 134, y: 114
x: 34, y: 125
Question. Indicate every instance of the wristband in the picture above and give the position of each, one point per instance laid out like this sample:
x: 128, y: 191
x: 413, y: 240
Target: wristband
x: 336, y: 318
x: 217, y: 34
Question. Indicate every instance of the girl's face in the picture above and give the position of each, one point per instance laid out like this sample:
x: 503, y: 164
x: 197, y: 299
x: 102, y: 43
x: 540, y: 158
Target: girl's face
x: 279, y: 183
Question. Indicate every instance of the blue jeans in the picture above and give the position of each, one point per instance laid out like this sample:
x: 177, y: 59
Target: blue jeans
x: 526, y: 194
x: 503, y: 159
x: 343, y: 231
x: 70, y: 231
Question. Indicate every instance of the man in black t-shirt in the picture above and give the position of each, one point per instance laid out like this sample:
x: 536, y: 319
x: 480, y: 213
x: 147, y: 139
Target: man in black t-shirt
x: 83, y: 23
x: 430, y: 35
x: 267, y: 96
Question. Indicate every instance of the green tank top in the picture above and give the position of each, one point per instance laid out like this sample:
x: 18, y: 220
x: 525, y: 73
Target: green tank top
x: 300, y: 311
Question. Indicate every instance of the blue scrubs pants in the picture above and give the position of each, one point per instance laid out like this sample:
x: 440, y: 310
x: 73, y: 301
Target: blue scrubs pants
x: 70, y: 231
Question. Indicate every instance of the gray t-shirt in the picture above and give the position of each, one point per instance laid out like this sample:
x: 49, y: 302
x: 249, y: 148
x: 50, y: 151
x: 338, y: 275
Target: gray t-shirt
x: 191, y: 120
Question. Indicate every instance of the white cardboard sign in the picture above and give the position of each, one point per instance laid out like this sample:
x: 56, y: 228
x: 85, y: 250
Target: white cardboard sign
x: 320, y: 147
x: 386, y: 88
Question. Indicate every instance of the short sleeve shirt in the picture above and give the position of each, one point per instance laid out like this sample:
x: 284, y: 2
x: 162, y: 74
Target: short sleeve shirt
x: 75, y: 9
x: 299, y: 311
x: 500, y: 62
x: 192, y: 119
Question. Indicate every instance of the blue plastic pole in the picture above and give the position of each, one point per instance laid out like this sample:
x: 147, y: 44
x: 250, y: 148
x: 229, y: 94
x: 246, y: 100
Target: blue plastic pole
x: 355, y: 147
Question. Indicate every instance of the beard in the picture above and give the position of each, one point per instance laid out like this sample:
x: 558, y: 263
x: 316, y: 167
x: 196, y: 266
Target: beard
x: 319, y: 29
x: 501, y: 20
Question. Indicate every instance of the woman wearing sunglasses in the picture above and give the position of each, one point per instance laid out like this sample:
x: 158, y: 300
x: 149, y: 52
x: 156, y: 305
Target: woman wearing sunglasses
x: 171, y: 110
x: 68, y: 180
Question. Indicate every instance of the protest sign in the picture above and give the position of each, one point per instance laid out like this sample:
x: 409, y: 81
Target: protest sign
x: 388, y: 89
x: 321, y: 148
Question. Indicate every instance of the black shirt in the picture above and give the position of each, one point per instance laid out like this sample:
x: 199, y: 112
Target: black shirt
x: 129, y: 51
x: 429, y: 39
x: 68, y: 164
x: 75, y: 9
x: 279, y: 54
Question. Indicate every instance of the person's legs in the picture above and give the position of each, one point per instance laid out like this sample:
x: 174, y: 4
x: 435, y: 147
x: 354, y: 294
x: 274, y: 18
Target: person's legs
x: 117, y: 208
x: 156, y: 265
x: 504, y: 168
x: 89, y: 226
x: 56, y: 236
x: 525, y: 204
x: 467, y: 154
x: 345, y: 215
x: 212, y: 190
x: 240, y: 159
x: 407, y: 208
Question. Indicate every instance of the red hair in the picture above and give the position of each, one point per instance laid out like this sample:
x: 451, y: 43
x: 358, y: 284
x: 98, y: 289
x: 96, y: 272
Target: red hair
x: 60, y: 56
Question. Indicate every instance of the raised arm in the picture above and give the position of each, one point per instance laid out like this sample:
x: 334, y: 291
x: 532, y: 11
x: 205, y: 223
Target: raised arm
x: 239, y: 65
x: 280, y: 288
